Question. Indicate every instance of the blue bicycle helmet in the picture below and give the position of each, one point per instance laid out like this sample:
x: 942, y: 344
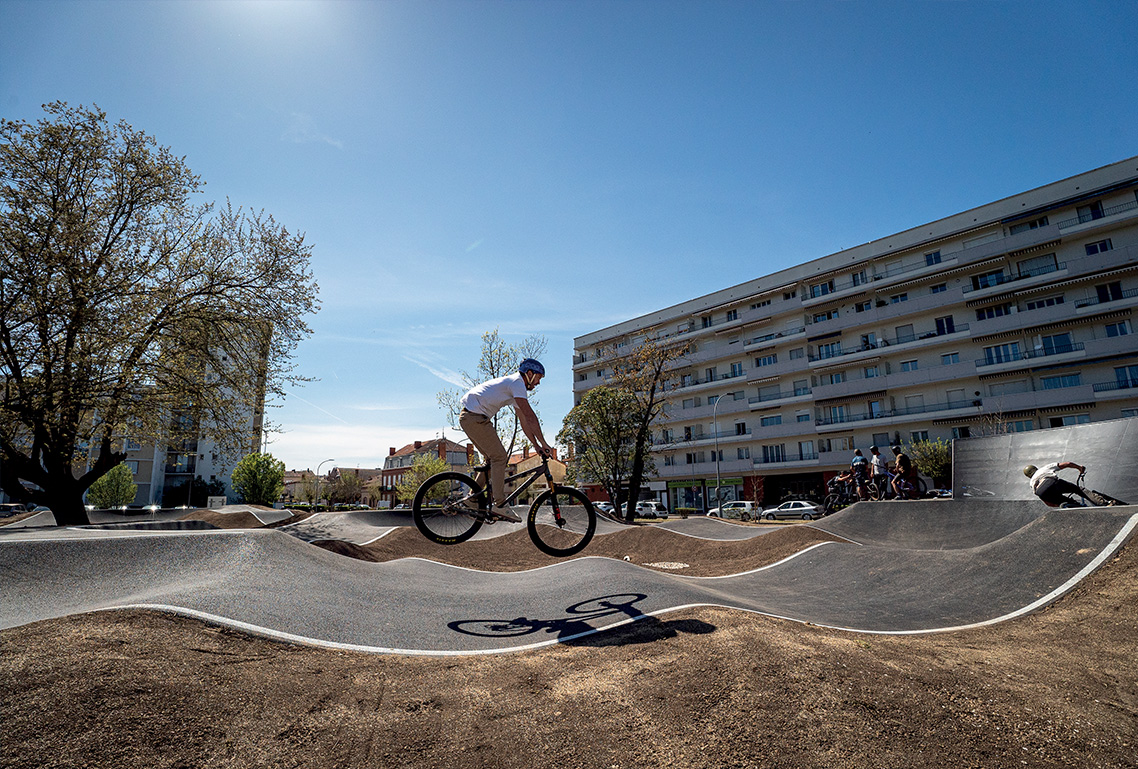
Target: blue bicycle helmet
x: 529, y: 364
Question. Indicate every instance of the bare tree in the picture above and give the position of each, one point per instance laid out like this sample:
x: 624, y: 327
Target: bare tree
x: 497, y: 359
x: 127, y: 309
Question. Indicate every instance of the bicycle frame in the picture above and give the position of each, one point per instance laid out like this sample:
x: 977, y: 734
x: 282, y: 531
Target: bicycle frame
x: 482, y: 472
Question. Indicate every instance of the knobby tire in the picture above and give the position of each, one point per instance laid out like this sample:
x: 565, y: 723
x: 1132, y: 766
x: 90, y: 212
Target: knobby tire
x: 436, y: 510
x: 579, y: 518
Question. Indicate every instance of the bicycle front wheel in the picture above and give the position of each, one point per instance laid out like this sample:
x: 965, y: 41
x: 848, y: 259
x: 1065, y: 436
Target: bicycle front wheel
x: 446, y: 508
x: 570, y: 534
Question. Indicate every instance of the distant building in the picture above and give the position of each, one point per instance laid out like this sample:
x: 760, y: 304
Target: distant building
x: 1013, y: 316
x: 399, y: 461
x: 528, y: 460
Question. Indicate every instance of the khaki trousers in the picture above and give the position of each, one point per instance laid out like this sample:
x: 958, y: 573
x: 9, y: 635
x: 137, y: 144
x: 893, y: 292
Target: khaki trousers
x: 480, y: 430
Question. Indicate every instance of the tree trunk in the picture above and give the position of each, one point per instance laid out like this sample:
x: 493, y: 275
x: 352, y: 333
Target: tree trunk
x: 67, y: 507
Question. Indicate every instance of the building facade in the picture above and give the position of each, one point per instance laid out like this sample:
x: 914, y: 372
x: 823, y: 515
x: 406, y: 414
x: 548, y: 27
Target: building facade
x: 1017, y: 315
x: 399, y: 461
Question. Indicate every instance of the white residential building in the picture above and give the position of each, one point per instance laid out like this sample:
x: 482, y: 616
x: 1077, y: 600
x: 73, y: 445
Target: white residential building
x: 1016, y: 315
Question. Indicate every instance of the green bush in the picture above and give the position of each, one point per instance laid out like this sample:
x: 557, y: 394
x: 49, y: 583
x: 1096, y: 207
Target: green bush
x: 115, y: 489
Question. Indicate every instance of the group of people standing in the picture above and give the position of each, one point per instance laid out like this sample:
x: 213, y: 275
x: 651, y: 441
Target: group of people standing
x: 864, y: 469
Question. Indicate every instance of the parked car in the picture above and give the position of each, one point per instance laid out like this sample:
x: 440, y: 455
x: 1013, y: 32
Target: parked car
x: 795, y: 508
x: 603, y: 507
x: 9, y: 509
x: 744, y: 511
x: 649, y: 509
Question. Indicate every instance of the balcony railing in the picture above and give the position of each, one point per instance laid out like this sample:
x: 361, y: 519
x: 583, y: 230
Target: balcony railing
x: 804, y: 456
x: 995, y: 360
x: 780, y: 395
x: 1001, y: 279
x: 1129, y: 293
x: 842, y: 419
x: 1084, y: 218
x: 1103, y: 387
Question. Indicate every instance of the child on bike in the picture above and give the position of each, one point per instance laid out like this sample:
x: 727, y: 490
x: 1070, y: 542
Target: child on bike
x: 480, y: 405
x: 903, y: 485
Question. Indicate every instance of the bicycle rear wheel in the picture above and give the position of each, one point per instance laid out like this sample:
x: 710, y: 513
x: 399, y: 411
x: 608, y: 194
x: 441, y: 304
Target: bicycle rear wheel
x: 572, y: 533
x: 446, y: 508
x: 831, y: 503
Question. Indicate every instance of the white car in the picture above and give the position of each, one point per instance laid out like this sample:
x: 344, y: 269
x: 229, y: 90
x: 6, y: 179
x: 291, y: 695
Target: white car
x: 744, y: 511
x: 795, y: 508
x: 649, y: 509
x: 603, y: 507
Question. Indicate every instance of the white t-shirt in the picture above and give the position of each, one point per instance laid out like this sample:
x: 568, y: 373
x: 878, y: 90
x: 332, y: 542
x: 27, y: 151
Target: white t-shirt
x: 488, y: 397
x: 878, y: 463
x: 1043, y: 473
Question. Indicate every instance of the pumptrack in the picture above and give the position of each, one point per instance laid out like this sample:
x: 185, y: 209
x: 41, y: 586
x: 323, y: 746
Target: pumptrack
x: 901, y: 567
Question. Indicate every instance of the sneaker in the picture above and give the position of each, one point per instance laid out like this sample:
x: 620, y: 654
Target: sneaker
x: 505, y: 514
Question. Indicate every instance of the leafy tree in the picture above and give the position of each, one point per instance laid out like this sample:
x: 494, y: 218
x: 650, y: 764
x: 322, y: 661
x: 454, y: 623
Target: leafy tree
x: 646, y: 375
x: 259, y: 479
x: 345, y: 488
x: 114, y: 489
x: 422, y: 468
x: 128, y: 308
x: 497, y: 359
x: 934, y: 459
x: 602, y: 430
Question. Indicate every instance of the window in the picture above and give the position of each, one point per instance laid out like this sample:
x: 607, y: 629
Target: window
x: 909, y: 365
x: 732, y: 315
x: 1126, y: 377
x: 820, y: 317
x: 696, y: 457
x: 1050, y: 301
x: 905, y: 333
x: 869, y: 341
x: 898, y: 298
x: 859, y: 278
x: 1037, y: 265
x: 738, y: 396
x: 1099, y: 246
x: 1032, y: 225
x: 1109, y: 292
x: 945, y: 325
x: 669, y: 460
x: 801, y: 387
x: 836, y: 414
x: 961, y: 432
x: 1122, y: 328
x: 130, y: 444
x: 806, y: 450
x: 712, y: 400
x: 830, y: 350
x: 798, y: 352
x: 771, y: 421
x: 881, y: 440
x: 1090, y: 212
x: 821, y: 289
x: 743, y: 453
x: 996, y: 311
x: 766, y: 360
x: 736, y: 369
x: 705, y: 321
x: 870, y: 372
x: 802, y: 418
x: 1126, y: 413
x: 1020, y: 426
x: 833, y: 378
x: 1060, y: 381
x: 950, y: 359
x: 710, y: 375
x: 1002, y: 353
x: 788, y: 295
x: 1054, y: 344
x: 939, y: 288
x: 741, y: 428
x: 865, y: 306
x: 987, y: 279
x: 689, y: 403
x: 918, y: 435
x: 956, y: 398
x: 686, y: 380
x: 931, y: 258
x: 763, y: 303
x: 774, y: 453
x: 874, y: 409
x: 1077, y: 419
x: 132, y: 465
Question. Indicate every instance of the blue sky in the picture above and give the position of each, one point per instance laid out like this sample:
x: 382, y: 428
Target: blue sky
x: 557, y: 167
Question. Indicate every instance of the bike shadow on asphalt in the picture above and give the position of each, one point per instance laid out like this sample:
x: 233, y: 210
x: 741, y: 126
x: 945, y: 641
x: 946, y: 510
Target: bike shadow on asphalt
x: 577, y: 627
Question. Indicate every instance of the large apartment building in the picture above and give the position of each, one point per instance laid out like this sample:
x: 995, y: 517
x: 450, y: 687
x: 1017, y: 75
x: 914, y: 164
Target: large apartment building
x: 1016, y: 316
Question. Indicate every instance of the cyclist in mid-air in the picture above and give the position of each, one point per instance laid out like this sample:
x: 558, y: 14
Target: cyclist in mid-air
x: 477, y: 420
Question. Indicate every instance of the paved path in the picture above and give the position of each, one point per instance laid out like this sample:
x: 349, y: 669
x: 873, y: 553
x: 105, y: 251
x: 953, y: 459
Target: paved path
x: 908, y: 567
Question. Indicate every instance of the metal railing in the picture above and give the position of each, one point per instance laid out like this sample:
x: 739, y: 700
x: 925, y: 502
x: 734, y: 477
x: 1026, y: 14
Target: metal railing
x: 1084, y: 218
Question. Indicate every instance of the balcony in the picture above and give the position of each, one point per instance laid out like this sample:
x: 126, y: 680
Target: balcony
x: 1016, y: 356
x: 891, y: 414
x: 1002, y: 280
x: 1107, y: 213
x: 789, y: 459
x: 782, y: 395
x: 1129, y: 293
x: 770, y: 340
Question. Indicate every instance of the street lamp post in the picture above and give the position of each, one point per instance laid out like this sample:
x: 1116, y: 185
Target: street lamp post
x: 326, y: 461
x: 715, y: 427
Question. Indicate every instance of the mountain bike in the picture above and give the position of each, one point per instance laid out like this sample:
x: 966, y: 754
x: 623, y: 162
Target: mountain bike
x: 451, y: 507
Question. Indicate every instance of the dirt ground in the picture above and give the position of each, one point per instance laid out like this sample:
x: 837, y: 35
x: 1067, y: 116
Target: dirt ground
x: 697, y: 688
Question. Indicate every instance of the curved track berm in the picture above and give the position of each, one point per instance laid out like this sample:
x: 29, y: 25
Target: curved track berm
x: 908, y: 567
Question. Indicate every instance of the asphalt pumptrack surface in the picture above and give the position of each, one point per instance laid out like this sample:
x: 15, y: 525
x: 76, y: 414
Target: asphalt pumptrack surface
x: 873, y: 568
